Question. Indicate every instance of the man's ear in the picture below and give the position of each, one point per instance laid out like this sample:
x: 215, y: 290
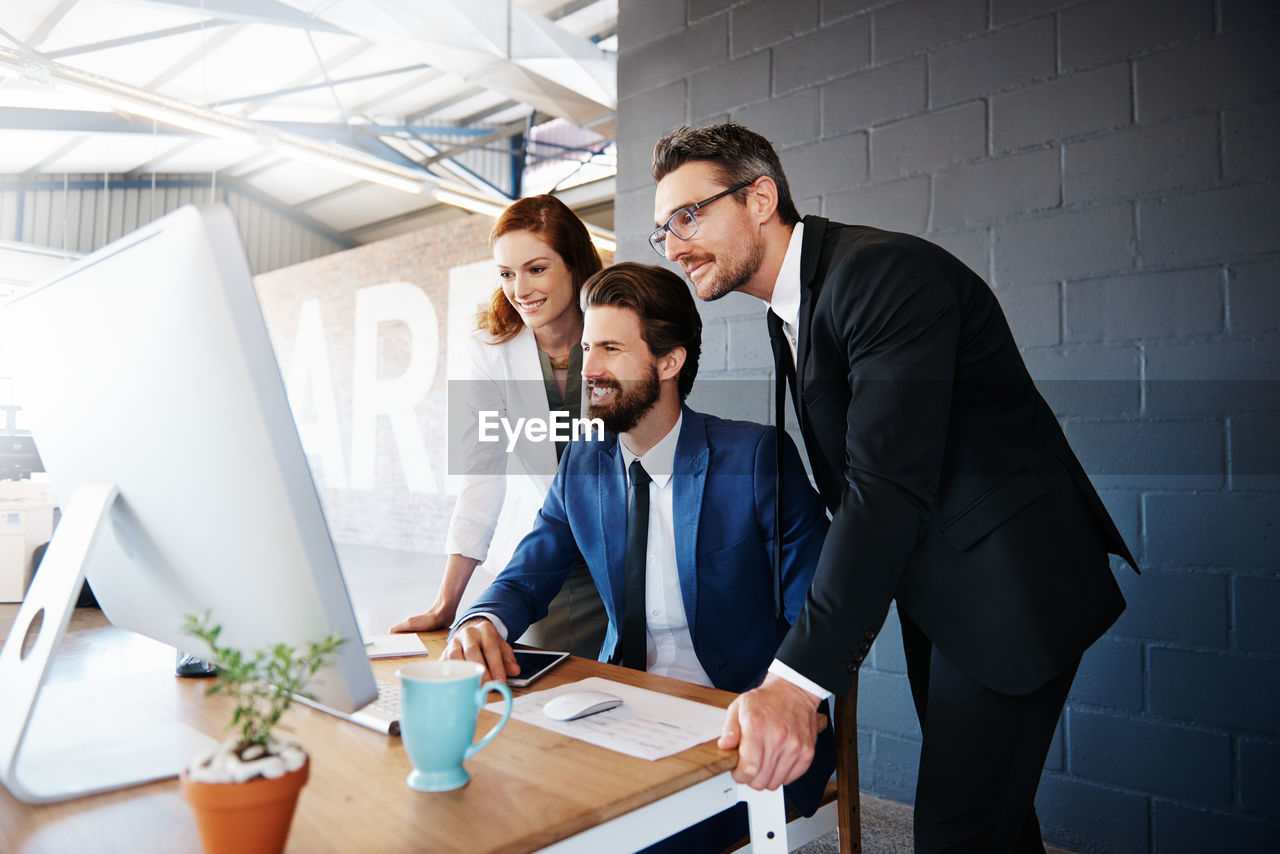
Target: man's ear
x: 670, y: 363
x: 762, y: 198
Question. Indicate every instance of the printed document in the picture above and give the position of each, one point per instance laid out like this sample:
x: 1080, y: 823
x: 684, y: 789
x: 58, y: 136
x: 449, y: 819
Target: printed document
x: 648, y: 725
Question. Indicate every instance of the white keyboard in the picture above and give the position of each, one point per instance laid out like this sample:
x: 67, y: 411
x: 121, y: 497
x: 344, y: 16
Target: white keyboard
x: 382, y: 715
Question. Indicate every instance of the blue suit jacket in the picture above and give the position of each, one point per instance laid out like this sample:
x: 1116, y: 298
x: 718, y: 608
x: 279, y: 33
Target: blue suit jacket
x: 724, y: 485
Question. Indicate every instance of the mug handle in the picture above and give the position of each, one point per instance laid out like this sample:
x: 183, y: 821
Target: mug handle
x: 481, y: 695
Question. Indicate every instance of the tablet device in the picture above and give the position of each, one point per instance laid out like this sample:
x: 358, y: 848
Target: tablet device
x: 533, y: 664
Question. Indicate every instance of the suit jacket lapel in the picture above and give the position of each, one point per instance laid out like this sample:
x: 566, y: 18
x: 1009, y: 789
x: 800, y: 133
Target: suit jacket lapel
x: 611, y: 507
x: 815, y: 229
x: 690, y: 480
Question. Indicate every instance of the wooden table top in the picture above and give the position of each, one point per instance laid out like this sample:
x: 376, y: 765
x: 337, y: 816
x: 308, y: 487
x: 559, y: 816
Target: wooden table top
x: 529, y: 788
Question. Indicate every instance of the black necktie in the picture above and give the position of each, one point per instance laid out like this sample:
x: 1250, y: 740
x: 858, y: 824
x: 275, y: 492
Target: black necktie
x: 634, y: 647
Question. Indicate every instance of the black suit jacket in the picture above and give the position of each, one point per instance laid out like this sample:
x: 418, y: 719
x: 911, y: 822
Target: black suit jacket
x: 951, y: 485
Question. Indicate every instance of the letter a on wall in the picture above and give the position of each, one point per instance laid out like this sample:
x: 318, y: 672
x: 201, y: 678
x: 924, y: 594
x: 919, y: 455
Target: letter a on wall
x: 310, y: 385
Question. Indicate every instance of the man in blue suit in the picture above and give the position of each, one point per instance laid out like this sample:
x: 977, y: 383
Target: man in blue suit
x: 715, y: 607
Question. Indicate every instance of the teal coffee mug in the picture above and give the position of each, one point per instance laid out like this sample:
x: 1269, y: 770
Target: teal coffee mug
x: 440, y: 702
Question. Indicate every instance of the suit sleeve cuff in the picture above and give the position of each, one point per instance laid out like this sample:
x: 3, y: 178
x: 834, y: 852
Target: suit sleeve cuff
x: 493, y: 618
x: 783, y: 671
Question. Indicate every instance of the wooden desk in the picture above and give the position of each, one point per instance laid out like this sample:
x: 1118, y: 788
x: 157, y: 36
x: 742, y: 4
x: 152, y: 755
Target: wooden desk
x: 530, y: 789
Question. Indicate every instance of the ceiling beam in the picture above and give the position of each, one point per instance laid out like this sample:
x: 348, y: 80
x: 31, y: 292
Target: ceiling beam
x: 444, y: 103
x: 51, y: 20
x: 207, y: 46
x: 33, y: 118
x: 291, y: 213
x: 374, y: 145
x: 567, y: 153
x: 566, y: 9
x: 254, y: 12
x: 150, y: 167
x: 481, y: 115
x: 504, y: 132
x: 137, y: 38
x: 254, y: 165
x: 324, y: 75
x: 332, y: 194
x: 391, y: 94
x: 57, y: 153
x: 343, y: 56
x: 311, y: 87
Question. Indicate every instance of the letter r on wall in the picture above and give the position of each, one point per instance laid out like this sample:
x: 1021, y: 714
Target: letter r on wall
x: 395, y: 397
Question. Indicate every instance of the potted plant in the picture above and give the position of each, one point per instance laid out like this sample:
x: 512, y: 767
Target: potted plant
x: 245, y: 790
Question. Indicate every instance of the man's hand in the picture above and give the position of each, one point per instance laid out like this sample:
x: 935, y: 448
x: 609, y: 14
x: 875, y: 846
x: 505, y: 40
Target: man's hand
x: 774, y: 728
x: 478, y: 640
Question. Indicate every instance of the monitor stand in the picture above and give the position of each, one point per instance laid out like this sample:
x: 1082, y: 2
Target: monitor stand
x: 48, y: 757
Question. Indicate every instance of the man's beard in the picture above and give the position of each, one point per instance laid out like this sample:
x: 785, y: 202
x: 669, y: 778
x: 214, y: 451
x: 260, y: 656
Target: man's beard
x: 630, y: 402
x: 732, y: 275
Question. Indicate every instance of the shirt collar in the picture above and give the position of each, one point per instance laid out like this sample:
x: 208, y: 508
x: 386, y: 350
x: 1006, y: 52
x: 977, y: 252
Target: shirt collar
x: 659, y: 461
x: 786, y: 291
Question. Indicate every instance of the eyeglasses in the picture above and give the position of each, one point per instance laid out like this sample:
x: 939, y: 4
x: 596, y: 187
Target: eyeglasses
x: 684, y: 222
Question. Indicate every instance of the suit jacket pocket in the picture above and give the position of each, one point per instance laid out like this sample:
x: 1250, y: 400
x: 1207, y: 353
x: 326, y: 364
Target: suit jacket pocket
x: 992, y: 509
x: 815, y: 387
x: 732, y: 552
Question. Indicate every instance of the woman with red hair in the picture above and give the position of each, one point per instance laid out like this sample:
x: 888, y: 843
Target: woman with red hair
x: 523, y: 361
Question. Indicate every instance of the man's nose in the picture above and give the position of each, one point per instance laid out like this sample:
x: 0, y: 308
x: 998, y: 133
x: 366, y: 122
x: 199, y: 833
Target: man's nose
x: 591, y: 364
x: 674, y: 248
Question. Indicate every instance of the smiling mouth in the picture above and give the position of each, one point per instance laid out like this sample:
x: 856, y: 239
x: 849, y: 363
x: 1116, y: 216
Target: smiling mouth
x: 601, y: 393
x: 694, y: 266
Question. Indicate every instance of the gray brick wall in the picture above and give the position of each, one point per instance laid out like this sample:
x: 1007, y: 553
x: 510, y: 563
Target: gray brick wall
x: 1111, y: 168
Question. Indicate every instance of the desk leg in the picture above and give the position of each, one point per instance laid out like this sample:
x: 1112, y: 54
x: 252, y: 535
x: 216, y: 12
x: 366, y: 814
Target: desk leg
x: 767, y: 819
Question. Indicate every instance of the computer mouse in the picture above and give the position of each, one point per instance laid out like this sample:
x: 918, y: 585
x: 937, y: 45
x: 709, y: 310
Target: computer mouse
x: 189, y: 667
x: 579, y: 704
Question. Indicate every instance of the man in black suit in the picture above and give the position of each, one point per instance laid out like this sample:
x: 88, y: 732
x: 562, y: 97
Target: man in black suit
x: 950, y: 484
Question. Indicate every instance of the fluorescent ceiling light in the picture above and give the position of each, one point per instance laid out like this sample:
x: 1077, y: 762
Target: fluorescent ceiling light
x: 471, y: 203
x: 600, y: 237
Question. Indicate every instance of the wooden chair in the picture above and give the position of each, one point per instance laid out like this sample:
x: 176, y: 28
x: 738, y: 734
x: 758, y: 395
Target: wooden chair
x: 849, y: 808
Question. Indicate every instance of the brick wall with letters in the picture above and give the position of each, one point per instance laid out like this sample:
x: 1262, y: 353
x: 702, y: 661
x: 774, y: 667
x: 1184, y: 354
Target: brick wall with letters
x: 379, y: 485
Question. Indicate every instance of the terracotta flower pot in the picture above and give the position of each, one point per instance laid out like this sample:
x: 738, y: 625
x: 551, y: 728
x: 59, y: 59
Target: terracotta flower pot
x: 245, y: 818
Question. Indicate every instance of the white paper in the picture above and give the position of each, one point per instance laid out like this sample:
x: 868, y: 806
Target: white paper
x: 394, y: 646
x: 648, y: 725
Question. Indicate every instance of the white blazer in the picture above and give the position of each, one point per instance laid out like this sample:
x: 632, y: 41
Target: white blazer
x: 501, y: 491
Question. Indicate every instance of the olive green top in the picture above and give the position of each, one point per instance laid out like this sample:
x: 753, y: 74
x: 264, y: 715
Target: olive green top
x: 571, y: 403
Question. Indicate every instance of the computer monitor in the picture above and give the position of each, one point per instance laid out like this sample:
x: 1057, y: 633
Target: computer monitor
x: 151, y: 385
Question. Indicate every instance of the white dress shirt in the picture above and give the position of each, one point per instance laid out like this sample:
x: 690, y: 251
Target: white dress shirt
x: 786, y: 304
x: 786, y: 291
x: 668, y: 642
